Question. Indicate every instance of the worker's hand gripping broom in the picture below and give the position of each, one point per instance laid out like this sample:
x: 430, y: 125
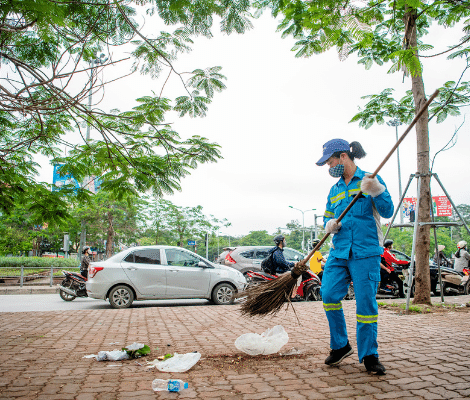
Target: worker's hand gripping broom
x: 268, y: 298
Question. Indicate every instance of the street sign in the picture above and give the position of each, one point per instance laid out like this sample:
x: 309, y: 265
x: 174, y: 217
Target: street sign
x: 191, y: 243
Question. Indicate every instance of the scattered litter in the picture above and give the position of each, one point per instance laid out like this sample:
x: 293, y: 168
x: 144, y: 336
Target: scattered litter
x: 292, y: 352
x: 170, y: 385
x: 115, y: 355
x: 177, y: 363
x: 90, y: 356
x: 138, y: 363
x: 114, y: 365
x: 136, y: 350
x: 269, y: 342
x: 113, y: 343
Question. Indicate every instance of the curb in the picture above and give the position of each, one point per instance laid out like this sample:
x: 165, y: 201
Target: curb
x: 29, y: 290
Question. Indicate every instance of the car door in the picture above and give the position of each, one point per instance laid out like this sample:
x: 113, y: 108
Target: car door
x: 185, y: 278
x: 143, y: 268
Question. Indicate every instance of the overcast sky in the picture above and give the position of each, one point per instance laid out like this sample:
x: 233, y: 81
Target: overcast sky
x: 275, y: 116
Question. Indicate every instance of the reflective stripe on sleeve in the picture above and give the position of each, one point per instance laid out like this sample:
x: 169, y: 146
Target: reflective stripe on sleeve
x: 329, y: 214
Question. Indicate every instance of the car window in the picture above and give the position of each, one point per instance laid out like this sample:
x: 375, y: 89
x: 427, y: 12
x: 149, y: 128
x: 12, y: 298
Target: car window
x: 248, y: 254
x: 292, y: 256
x: 146, y: 256
x: 400, y: 256
x: 261, y: 254
x: 181, y: 258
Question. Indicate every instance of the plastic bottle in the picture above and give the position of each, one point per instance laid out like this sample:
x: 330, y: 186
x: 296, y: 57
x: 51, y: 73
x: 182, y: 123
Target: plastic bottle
x: 170, y: 385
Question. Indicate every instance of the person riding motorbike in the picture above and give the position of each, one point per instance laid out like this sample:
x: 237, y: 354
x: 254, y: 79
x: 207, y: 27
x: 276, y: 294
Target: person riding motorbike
x: 462, y: 257
x: 85, y: 262
x: 317, y: 261
x: 388, y: 259
x: 440, y: 258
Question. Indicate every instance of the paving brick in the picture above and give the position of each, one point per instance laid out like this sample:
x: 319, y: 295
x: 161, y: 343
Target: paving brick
x: 423, y: 364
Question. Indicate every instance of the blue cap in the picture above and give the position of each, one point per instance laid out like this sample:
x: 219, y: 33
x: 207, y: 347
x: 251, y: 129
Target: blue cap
x: 331, y: 147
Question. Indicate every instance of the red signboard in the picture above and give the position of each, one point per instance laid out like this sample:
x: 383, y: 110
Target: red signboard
x: 441, y: 206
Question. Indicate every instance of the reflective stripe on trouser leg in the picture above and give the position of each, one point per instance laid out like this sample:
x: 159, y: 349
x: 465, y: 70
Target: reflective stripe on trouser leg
x: 365, y: 274
x: 335, y: 283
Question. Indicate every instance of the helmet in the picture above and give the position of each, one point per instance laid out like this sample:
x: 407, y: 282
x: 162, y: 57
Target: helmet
x: 85, y: 249
x: 278, y: 239
x: 462, y: 244
x: 388, y: 243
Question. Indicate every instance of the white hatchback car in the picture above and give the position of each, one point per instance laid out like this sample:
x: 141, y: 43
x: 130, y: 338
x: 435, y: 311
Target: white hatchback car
x: 161, y: 272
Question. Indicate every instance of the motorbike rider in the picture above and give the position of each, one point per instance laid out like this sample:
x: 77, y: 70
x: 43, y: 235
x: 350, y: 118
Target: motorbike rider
x: 85, y: 262
x: 462, y: 257
x: 317, y: 260
x: 440, y: 258
x: 357, y: 246
x: 388, y: 259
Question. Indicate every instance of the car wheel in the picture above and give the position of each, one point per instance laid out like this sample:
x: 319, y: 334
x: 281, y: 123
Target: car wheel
x: 121, y: 296
x: 223, y: 294
x: 313, y: 293
x: 65, y: 296
x: 350, y: 295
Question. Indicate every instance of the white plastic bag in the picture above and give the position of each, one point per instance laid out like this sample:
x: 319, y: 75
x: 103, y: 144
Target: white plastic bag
x: 269, y: 342
x: 115, y: 355
x: 177, y: 363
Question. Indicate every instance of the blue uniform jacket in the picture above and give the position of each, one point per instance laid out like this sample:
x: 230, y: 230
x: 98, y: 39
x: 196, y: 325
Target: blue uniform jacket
x: 280, y: 262
x: 360, y: 235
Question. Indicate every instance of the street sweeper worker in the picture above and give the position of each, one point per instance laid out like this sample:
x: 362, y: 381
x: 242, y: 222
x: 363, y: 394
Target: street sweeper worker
x: 356, y: 252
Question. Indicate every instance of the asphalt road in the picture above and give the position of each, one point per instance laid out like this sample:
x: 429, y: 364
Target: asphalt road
x: 53, y: 302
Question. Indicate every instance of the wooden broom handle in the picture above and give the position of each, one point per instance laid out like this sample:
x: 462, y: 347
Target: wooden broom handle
x: 353, y: 201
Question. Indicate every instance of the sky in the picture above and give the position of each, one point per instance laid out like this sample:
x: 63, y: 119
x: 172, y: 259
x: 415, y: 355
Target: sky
x: 274, y: 117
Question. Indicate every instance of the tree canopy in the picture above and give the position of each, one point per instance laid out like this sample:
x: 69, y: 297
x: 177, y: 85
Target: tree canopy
x: 51, y: 65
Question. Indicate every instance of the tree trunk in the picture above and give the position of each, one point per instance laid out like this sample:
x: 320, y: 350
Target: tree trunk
x: 422, y: 278
x: 110, y: 238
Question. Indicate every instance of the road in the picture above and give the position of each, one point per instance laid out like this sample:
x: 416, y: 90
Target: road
x: 53, y: 302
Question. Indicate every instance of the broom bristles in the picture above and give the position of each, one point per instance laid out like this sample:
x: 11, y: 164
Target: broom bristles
x: 268, y: 298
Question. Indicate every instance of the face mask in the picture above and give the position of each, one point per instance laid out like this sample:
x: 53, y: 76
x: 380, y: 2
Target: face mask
x: 336, y: 171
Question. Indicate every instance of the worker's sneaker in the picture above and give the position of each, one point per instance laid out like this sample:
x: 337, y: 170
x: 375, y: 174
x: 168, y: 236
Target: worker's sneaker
x: 373, y: 365
x: 336, y: 356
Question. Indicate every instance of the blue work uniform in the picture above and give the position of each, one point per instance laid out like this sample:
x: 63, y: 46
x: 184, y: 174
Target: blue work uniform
x: 355, y: 256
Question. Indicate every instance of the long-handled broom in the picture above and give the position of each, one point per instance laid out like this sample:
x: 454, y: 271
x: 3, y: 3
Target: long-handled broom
x: 268, y: 298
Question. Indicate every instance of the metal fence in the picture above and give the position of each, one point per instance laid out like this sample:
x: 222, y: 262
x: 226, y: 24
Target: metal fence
x: 47, y: 275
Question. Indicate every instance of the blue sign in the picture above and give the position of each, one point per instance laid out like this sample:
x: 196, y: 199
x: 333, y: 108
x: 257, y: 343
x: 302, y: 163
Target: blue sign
x: 61, y: 180
x: 191, y: 243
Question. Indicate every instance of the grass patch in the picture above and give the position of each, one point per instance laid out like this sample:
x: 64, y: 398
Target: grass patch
x: 424, y: 308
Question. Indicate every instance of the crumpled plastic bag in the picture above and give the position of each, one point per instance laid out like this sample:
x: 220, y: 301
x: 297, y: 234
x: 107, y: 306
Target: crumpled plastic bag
x: 115, y: 355
x: 269, y: 342
x: 177, y: 363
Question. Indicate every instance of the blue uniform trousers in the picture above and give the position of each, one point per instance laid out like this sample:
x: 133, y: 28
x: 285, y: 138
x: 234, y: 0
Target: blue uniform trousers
x: 365, y: 274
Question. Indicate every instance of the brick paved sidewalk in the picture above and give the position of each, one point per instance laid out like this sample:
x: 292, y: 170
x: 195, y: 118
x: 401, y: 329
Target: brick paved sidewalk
x: 426, y: 355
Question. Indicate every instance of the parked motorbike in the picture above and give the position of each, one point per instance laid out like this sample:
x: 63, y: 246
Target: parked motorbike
x: 454, y: 282
x: 309, y: 289
x: 72, y: 286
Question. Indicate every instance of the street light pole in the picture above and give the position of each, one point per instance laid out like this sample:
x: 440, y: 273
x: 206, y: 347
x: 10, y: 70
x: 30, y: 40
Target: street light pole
x: 396, y: 123
x: 303, y: 224
x: 97, y: 61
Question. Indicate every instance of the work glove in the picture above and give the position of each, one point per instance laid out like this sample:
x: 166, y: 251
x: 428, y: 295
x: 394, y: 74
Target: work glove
x: 332, y: 226
x: 371, y: 186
